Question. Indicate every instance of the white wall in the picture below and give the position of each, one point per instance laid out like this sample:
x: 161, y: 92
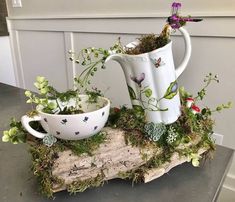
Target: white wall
x: 6, y: 67
x: 43, y: 31
x: 42, y: 8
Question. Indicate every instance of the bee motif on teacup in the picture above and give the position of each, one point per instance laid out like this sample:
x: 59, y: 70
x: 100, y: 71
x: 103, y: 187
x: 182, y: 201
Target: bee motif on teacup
x: 64, y: 121
x: 85, y: 119
x: 157, y: 62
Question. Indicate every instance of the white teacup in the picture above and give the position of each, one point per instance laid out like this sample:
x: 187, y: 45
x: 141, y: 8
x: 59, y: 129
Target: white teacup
x: 74, y: 126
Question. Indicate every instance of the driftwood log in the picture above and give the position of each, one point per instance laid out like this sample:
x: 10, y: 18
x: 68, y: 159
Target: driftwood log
x: 112, y: 157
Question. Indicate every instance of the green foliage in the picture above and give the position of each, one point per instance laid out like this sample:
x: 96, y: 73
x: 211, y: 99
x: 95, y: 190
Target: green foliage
x: 93, y: 95
x: 208, y: 79
x: 49, y: 98
x: 44, y: 95
x: 16, y: 134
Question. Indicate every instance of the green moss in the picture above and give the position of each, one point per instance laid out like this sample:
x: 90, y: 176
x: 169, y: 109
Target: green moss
x: 158, y: 160
x: 127, y: 119
x: 42, y: 161
x: 82, y: 185
x: 79, y: 147
x: 150, y: 42
x: 43, y: 158
x: 134, y: 175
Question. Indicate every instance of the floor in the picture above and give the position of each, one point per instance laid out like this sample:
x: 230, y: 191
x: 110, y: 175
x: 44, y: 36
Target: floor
x: 226, y: 195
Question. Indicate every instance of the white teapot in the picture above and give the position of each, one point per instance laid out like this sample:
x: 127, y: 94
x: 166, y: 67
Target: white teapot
x: 151, y: 80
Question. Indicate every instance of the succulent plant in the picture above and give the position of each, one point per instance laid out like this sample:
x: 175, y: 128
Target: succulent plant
x: 49, y: 140
x: 154, y: 130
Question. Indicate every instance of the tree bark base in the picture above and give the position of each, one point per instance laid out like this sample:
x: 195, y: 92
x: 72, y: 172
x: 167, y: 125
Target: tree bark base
x: 113, y: 158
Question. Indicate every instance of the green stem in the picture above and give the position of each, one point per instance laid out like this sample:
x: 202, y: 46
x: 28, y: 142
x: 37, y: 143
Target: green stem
x: 58, y: 104
x: 87, y: 72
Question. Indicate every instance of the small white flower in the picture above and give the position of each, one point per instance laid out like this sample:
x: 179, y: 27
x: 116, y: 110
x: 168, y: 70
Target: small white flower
x: 172, y: 135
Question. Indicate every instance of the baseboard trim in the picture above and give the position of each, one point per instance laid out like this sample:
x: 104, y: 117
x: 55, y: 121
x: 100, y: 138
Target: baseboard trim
x: 230, y: 182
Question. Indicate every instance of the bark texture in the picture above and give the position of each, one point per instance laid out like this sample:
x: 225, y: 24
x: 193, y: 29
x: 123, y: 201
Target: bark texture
x: 112, y: 157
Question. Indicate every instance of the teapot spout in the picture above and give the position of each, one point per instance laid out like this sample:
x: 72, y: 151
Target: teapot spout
x: 115, y: 57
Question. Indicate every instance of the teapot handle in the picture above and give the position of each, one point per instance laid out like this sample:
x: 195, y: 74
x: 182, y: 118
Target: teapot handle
x: 187, y: 53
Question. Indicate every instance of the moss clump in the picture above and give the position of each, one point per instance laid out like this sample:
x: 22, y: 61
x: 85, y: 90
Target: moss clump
x: 79, y: 147
x: 126, y: 118
x: 42, y: 161
x: 43, y: 158
x: 134, y: 175
x: 132, y: 121
x: 150, y: 42
x: 82, y: 185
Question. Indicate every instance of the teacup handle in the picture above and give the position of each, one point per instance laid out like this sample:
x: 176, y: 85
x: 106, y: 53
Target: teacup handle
x: 187, y: 53
x: 25, y: 122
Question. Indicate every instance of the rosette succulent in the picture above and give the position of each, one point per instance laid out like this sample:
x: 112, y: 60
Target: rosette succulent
x: 49, y: 140
x: 154, y: 130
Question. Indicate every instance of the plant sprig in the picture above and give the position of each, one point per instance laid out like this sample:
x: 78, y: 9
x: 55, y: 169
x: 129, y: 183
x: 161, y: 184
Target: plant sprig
x: 92, y: 58
x: 16, y: 134
x: 209, y: 78
x: 49, y: 98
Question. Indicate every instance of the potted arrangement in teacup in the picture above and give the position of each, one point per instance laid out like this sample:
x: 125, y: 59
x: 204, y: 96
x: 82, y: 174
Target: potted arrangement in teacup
x: 69, y: 115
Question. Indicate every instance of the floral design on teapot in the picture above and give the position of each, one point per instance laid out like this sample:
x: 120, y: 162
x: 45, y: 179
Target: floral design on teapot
x: 138, y: 79
x: 144, y: 94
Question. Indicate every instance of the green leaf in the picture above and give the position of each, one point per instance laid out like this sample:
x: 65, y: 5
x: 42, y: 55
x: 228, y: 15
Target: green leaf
x: 13, y: 131
x: 52, y: 105
x: 171, y: 90
x: 40, y: 79
x: 29, y: 101
x: 44, y: 90
x: 195, y: 162
x: 5, y: 138
x: 6, y: 133
x: 204, y: 111
x: 139, y: 111
x: 28, y: 93
x: 138, y: 108
x: 148, y: 92
x: 132, y: 93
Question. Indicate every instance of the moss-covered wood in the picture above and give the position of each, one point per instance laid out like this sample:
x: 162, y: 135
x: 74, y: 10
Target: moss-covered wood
x: 115, y: 157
